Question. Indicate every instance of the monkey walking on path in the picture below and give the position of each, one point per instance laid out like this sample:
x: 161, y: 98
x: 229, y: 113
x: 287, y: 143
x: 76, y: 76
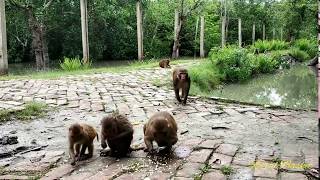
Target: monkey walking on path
x: 181, y: 81
x: 81, y: 136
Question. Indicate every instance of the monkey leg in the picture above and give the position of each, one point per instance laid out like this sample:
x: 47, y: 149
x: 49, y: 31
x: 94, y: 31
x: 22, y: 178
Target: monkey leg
x: 71, y: 153
x: 176, y: 91
x: 78, y: 146
x: 185, y: 92
x: 90, y: 149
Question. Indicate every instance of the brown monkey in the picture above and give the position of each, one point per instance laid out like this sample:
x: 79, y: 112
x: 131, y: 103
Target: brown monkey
x: 81, y: 136
x: 118, y: 132
x: 181, y: 80
x: 161, y: 128
x: 164, y: 63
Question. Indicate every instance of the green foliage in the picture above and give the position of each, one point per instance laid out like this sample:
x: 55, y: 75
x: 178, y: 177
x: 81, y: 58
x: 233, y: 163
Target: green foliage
x: 233, y: 63
x: 266, y: 63
x: 264, y: 46
x: 308, y: 46
x: 73, y: 64
x: 205, y: 76
x: 299, y: 54
x: 4, y: 115
x: 226, y: 170
x: 31, y: 110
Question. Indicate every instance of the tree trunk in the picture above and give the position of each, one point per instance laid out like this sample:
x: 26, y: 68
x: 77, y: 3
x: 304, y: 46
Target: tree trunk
x: 273, y: 33
x: 253, y: 33
x: 177, y: 29
x: 223, y: 34
x: 39, y: 45
x: 139, y: 30
x: 3, y: 41
x: 202, y: 37
x: 195, y: 38
x: 263, y: 32
x: 84, y: 28
x: 239, y: 33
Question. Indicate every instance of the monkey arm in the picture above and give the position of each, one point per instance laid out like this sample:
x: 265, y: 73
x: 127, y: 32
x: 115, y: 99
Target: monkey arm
x: 103, y: 141
x: 71, y: 153
x: 148, y: 142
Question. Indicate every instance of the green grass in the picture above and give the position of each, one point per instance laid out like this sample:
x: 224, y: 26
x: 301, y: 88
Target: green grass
x: 299, y: 54
x: 31, y: 110
x: 226, y: 170
x: 54, y: 74
x: 203, y: 170
x: 4, y: 115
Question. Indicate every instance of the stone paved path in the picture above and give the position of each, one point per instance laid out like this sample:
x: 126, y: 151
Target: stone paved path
x: 214, y: 137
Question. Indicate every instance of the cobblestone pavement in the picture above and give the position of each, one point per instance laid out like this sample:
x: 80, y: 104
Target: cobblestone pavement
x: 215, y: 138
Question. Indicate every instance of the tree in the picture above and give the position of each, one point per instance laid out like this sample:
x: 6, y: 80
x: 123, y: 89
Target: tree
x: 202, y: 37
x: 3, y: 40
x: 139, y: 29
x: 183, y: 11
x: 36, y: 14
x: 84, y: 27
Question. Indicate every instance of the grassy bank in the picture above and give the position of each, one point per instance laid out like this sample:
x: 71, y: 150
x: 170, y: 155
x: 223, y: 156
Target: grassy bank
x: 233, y: 64
x: 57, y: 73
x: 30, y: 111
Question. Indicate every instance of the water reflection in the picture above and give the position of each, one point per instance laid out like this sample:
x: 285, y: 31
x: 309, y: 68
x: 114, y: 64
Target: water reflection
x: 295, y: 88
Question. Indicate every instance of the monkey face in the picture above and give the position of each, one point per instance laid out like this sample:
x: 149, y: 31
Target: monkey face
x: 75, y: 130
x: 183, y: 76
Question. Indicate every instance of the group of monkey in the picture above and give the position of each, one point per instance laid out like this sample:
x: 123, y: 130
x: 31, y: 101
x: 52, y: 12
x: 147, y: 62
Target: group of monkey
x: 118, y: 131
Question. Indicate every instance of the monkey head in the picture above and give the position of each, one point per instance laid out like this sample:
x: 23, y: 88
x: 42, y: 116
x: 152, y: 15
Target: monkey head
x: 75, y: 130
x: 109, y: 126
x: 183, y: 75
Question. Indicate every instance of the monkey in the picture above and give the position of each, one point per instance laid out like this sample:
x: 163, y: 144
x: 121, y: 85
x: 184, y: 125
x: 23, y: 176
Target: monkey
x: 164, y: 63
x: 181, y: 80
x: 118, y: 132
x: 81, y: 136
x: 161, y: 128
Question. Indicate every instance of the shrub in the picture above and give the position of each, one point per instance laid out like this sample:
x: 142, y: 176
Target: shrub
x: 282, y: 58
x: 299, y: 54
x: 233, y: 63
x: 264, y: 46
x: 266, y: 64
x: 205, y: 76
x: 73, y: 64
x: 309, y: 46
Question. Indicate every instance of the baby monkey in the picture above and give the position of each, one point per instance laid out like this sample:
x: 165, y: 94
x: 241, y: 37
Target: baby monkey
x: 81, y: 136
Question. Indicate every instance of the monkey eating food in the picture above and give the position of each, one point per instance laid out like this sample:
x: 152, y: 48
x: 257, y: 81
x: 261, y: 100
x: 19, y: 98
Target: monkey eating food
x: 118, y: 132
x: 161, y: 128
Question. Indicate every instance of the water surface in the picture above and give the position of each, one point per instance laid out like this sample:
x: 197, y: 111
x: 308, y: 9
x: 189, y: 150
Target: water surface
x: 293, y: 88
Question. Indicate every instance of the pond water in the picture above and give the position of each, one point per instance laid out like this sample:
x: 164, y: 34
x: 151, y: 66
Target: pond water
x: 293, y: 88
